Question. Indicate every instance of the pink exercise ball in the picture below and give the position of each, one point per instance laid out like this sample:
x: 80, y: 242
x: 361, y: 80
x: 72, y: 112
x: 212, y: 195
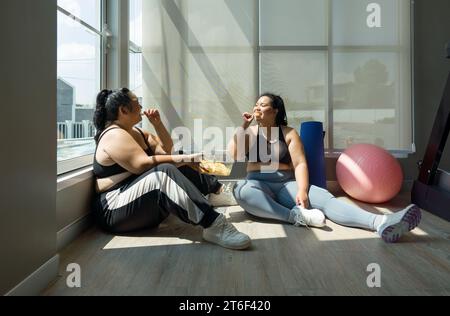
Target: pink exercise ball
x: 369, y: 173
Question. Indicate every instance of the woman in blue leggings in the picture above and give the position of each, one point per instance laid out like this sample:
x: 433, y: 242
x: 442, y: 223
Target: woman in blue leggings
x: 277, y: 186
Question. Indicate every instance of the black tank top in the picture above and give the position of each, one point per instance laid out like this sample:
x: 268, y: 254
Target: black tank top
x: 101, y: 171
x: 283, y: 154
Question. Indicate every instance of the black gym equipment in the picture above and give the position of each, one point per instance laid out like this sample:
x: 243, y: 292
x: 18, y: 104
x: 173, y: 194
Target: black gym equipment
x: 431, y: 191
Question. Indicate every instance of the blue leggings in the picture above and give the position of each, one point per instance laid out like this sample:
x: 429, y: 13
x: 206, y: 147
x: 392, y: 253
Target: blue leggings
x: 272, y: 196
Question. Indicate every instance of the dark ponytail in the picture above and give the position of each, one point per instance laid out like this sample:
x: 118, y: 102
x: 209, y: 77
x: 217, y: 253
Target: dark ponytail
x: 107, y: 108
x: 278, y: 104
x: 100, y: 112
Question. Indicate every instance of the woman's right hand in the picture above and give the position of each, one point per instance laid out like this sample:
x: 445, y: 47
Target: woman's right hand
x: 186, y: 159
x: 192, y: 161
x: 248, y: 118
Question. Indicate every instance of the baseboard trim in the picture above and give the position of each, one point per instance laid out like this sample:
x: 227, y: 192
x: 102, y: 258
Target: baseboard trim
x: 71, y: 232
x: 334, y: 187
x: 38, y: 281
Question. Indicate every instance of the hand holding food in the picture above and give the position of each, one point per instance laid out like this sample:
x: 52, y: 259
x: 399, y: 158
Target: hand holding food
x: 214, y: 168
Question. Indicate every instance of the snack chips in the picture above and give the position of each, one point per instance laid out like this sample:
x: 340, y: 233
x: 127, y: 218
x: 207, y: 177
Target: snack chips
x: 214, y: 168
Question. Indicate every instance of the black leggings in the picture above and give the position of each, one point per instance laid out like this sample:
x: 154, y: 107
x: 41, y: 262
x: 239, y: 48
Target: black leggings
x: 145, y: 201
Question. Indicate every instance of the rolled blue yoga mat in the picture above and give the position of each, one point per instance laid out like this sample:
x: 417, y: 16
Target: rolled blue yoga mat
x: 312, y: 136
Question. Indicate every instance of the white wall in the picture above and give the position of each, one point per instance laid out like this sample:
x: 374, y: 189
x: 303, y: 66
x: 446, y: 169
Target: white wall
x: 28, y: 139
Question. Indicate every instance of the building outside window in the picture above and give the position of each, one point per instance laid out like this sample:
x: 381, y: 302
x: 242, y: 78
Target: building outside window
x: 79, y: 79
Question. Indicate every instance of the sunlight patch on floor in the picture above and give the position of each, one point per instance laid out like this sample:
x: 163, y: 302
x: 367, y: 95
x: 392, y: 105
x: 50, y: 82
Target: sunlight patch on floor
x: 121, y: 242
x: 349, y: 234
x: 256, y: 231
x: 419, y: 232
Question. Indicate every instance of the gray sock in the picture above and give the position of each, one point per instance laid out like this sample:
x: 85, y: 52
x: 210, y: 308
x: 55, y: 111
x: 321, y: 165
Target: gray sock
x: 294, y: 212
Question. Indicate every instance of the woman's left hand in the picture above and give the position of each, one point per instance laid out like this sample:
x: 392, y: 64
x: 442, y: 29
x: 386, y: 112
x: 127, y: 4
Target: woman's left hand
x: 153, y: 116
x: 302, y: 199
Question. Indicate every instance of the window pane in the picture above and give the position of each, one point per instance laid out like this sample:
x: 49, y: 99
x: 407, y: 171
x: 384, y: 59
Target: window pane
x: 372, y: 103
x: 301, y: 78
x: 136, y: 22
x: 201, y: 59
x: 136, y: 73
x: 135, y: 57
x: 203, y: 72
x: 215, y: 88
x: 79, y: 70
x: 293, y: 22
x: 220, y: 23
x: 394, y: 22
x: 221, y: 103
x: 87, y: 10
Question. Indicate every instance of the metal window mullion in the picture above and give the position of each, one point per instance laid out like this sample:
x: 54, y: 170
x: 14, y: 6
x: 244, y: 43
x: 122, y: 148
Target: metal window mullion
x: 118, y: 51
x: 294, y: 48
x: 124, y: 22
x: 330, y: 118
x: 257, y: 48
x: 77, y: 19
x: 104, y: 40
x: 367, y: 48
x: 413, y: 96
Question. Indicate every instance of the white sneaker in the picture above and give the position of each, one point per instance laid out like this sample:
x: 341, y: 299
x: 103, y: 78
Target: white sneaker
x: 226, y: 235
x: 395, y: 225
x: 224, y: 198
x: 309, y: 217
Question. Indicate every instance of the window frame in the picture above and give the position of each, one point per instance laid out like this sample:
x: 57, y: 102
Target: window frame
x: 329, y: 49
x: 83, y: 161
x: 258, y: 49
x: 69, y: 165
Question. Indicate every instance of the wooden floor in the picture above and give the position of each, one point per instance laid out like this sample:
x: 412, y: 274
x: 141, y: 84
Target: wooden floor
x: 283, y: 260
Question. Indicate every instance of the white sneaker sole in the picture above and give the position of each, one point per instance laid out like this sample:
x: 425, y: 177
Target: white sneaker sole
x: 232, y: 247
x: 408, y: 222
